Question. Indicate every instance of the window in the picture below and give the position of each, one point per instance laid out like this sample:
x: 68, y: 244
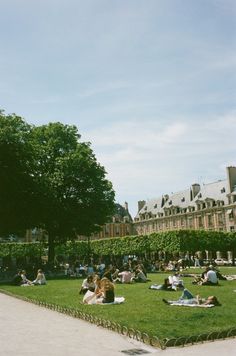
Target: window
x: 200, y: 223
x: 208, y: 204
x: 229, y: 212
x: 220, y: 219
x: 190, y: 222
x: 210, y: 220
x: 222, y: 190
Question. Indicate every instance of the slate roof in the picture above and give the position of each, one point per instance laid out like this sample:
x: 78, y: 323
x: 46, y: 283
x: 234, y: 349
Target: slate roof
x: 216, y: 191
x: 152, y: 206
x: 121, y: 212
x: 180, y: 199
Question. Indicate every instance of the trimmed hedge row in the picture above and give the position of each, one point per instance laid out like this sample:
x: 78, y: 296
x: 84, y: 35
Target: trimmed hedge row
x: 169, y: 242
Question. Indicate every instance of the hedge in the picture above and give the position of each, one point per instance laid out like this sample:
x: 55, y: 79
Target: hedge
x: 169, y: 242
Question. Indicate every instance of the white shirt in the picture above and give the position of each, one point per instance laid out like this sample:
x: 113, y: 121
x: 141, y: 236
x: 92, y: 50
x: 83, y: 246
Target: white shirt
x: 211, y: 276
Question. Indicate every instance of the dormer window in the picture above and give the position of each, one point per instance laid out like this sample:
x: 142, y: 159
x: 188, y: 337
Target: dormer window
x: 183, y: 199
x: 170, y: 202
x: 155, y: 206
x: 222, y: 190
x: 199, y: 195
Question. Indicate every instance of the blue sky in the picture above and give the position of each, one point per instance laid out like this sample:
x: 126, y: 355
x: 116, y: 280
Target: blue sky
x: 150, y: 83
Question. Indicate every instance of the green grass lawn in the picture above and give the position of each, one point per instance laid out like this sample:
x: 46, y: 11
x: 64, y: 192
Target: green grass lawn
x: 144, y: 309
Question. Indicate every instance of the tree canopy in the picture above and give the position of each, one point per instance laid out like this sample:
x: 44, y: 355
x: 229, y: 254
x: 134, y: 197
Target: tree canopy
x: 18, y: 189
x: 55, y: 176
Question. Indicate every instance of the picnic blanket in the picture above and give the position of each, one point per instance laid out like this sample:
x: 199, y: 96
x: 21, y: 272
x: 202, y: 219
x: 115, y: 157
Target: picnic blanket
x: 118, y: 300
x: 194, y: 305
x: 231, y: 277
x: 90, y: 298
x: 160, y: 287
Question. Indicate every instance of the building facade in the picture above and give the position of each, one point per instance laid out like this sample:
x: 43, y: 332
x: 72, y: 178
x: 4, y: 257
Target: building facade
x: 120, y: 224
x: 209, y: 207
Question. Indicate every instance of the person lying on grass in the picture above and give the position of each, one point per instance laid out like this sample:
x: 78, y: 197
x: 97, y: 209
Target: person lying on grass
x: 188, y: 298
x: 165, y: 286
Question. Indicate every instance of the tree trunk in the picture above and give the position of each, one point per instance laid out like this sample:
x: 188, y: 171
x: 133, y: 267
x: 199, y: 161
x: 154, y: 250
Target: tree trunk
x: 51, y: 251
x: 233, y: 257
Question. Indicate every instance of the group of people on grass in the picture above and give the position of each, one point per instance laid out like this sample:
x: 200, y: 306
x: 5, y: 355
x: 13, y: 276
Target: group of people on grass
x: 102, y: 284
x: 99, y: 285
x: 98, y: 290
x: 20, y: 279
x: 209, y: 277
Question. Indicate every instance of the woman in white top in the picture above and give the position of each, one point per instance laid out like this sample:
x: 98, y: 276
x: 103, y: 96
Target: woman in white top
x: 40, y: 279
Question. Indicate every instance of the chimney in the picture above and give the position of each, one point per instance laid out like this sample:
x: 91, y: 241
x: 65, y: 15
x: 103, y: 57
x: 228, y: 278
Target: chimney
x: 194, y: 190
x: 141, y: 204
x: 231, y: 178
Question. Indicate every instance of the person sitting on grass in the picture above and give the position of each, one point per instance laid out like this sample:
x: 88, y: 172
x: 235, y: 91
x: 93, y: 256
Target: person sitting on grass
x: 25, y: 281
x: 124, y: 276
x: 210, y: 278
x: 187, y: 298
x: 87, y: 284
x: 17, y: 279
x: 175, y: 282
x: 107, y: 289
x: 40, y: 278
x: 139, y: 275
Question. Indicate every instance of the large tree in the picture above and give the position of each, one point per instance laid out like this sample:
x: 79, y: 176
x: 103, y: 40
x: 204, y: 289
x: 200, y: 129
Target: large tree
x: 49, y: 178
x: 76, y: 196
x: 18, y: 187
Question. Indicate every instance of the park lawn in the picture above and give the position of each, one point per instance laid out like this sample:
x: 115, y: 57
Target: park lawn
x: 144, y: 309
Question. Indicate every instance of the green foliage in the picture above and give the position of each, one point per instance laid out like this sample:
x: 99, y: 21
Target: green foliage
x: 77, y: 198
x: 51, y: 180
x: 171, y: 242
x: 72, y: 248
x: 21, y: 249
x: 19, y: 196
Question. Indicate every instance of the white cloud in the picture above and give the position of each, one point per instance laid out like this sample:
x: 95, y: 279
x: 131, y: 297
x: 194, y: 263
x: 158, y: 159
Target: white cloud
x: 146, y: 134
x: 146, y: 159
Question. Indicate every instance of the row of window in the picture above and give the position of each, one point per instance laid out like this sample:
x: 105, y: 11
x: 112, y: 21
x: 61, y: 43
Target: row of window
x: 177, y: 210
